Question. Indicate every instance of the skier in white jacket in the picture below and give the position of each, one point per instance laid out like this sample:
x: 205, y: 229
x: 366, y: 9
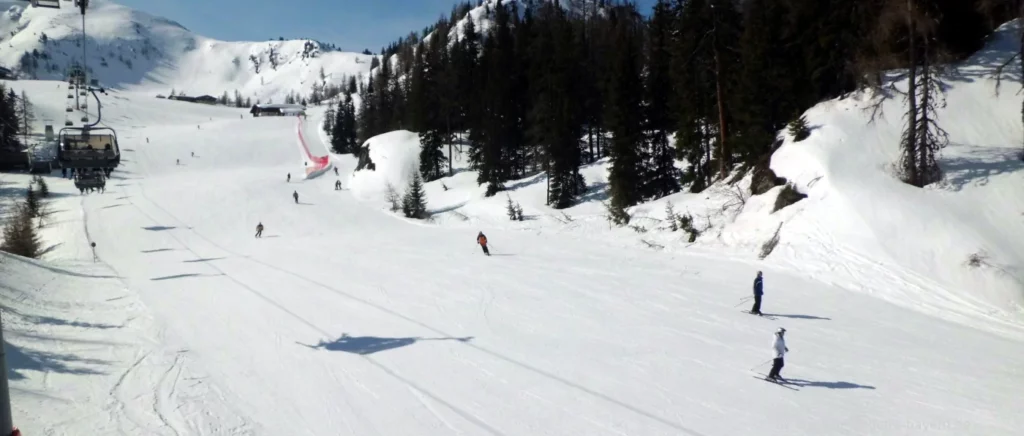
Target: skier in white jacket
x: 779, y: 349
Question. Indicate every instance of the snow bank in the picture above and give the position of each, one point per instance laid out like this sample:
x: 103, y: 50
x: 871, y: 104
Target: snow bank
x: 860, y: 220
x: 396, y: 159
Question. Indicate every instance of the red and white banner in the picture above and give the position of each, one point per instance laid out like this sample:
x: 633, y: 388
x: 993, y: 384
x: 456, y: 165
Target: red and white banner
x: 315, y: 165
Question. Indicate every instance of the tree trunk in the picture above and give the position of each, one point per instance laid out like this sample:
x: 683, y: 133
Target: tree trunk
x: 723, y: 149
x: 910, y: 142
x: 590, y: 142
x: 448, y: 123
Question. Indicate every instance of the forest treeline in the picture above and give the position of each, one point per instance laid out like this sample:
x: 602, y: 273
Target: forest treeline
x: 554, y: 85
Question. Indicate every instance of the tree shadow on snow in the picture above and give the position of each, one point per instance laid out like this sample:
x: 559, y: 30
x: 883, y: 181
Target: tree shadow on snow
x: 20, y: 360
x: 826, y: 384
x: 47, y: 250
x: 52, y: 321
x: 798, y: 316
x: 158, y: 228
x: 983, y: 164
x: 596, y: 192
x: 364, y: 345
x: 448, y: 209
x: 158, y: 250
x: 183, y: 276
x: 205, y: 259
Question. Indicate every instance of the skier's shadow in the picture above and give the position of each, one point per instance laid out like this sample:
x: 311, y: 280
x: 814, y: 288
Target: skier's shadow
x: 825, y: 384
x: 365, y: 345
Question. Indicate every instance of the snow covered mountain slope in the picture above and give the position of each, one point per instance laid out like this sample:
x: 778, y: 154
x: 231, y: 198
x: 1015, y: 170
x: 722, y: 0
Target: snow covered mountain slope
x: 860, y: 228
x: 131, y: 49
x: 343, y: 319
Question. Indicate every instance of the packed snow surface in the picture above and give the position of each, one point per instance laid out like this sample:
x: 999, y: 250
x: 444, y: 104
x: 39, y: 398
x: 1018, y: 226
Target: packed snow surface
x: 347, y: 319
x: 344, y: 319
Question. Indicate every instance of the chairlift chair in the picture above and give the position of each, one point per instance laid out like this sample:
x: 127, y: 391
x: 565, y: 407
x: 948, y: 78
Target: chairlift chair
x: 50, y: 4
x: 86, y: 147
x: 68, y: 109
x: 90, y: 178
x: 85, y: 119
x: 68, y: 123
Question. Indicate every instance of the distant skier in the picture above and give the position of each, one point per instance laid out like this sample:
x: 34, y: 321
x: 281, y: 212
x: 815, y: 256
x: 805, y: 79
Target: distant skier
x: 147, y: 140
x: 289, y: 177
x: 295, y: 195
x: 193, y: 154
x: 482, y: 240
x: 259, y: 230
x: 336, y: 171
x: 177, y: 161
x: 337, y: 185
x: 758, y: 292
x: 779, y: 350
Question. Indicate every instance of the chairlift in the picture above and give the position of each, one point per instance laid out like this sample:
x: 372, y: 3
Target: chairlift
x: 71, y: 95
x: 88, y: 178
x: 68, y: 123
x: 87, y: 147
x: 85, y: 119
x: 50, y: 4
x: 68, y: 109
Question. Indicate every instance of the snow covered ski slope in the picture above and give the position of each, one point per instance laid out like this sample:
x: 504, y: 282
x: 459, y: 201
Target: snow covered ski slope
x: 346, y: 320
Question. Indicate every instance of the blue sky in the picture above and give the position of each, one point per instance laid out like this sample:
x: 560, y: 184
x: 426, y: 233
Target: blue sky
x: 351, y: 24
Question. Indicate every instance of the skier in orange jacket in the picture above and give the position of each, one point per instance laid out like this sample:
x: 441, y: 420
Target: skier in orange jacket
x: 482, y: 240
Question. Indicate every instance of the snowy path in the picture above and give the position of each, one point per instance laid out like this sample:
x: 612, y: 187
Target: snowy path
x: 345, y: 320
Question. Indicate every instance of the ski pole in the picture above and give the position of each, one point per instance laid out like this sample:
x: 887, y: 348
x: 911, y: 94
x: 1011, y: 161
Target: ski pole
x: 761, y: 364
x: 742, y: 302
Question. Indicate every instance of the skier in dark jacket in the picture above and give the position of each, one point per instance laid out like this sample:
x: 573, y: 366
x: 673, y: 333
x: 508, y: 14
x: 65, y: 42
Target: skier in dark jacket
x: 758, y: 292
x: 482, y: 240
x: 295, y: 195
x: 259, y: 230
x: 289, y: 177
x: 337, y: 185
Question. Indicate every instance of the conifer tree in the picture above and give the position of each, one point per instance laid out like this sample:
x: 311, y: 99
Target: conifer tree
x: 555, y: 115
x: 625, y: 117
x: 26, y: 115
x: 330, y: 115
x: 770, y: 67
x: 497, y: 135
x: 923, y: 138
x: 19, y: 234
x: 9, y: 121
x: 368, y: 112
x: 414, y: 202
x: 350, y: 136
x: 658, y: 88
x: 431, y: 123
